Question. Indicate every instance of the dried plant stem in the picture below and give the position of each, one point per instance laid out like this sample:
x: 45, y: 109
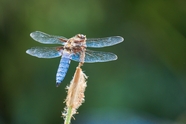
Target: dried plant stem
x: 75, y: 94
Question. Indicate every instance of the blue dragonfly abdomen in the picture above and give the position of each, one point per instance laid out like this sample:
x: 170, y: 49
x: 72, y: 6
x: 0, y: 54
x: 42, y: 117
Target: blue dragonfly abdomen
x: 63, y: 67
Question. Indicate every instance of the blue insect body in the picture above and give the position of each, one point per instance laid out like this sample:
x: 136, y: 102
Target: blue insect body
x: 63, y: 67
x: 72, y: 49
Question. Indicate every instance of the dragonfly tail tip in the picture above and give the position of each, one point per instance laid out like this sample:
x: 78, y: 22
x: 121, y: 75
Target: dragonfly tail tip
x: 57, y: 84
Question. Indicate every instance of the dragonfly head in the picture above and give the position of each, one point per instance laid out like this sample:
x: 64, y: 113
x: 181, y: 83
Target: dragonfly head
x: 76, y: 43
x: 81, y: 36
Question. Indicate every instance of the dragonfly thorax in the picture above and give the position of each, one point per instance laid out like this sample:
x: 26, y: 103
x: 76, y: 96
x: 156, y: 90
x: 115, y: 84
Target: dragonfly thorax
x: 76, y: 43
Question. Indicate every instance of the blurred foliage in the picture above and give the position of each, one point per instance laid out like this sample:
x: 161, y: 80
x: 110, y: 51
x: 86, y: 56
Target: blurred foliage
x: 149, y: 77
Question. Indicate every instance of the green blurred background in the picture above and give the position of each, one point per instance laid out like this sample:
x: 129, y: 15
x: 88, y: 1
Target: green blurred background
x: 146, y: 85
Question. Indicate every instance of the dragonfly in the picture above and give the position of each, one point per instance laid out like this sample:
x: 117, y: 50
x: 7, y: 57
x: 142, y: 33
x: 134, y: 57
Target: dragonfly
x: 72, y: 49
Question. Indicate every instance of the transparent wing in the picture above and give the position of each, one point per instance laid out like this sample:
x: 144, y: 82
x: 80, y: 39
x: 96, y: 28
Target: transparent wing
x: 46, y: 38
x: 95, y: 56
x: 44, y: 52
x: 103, y: 42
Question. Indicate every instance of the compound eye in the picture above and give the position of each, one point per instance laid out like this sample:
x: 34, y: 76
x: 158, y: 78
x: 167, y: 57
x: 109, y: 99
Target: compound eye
x: 81, y: 36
